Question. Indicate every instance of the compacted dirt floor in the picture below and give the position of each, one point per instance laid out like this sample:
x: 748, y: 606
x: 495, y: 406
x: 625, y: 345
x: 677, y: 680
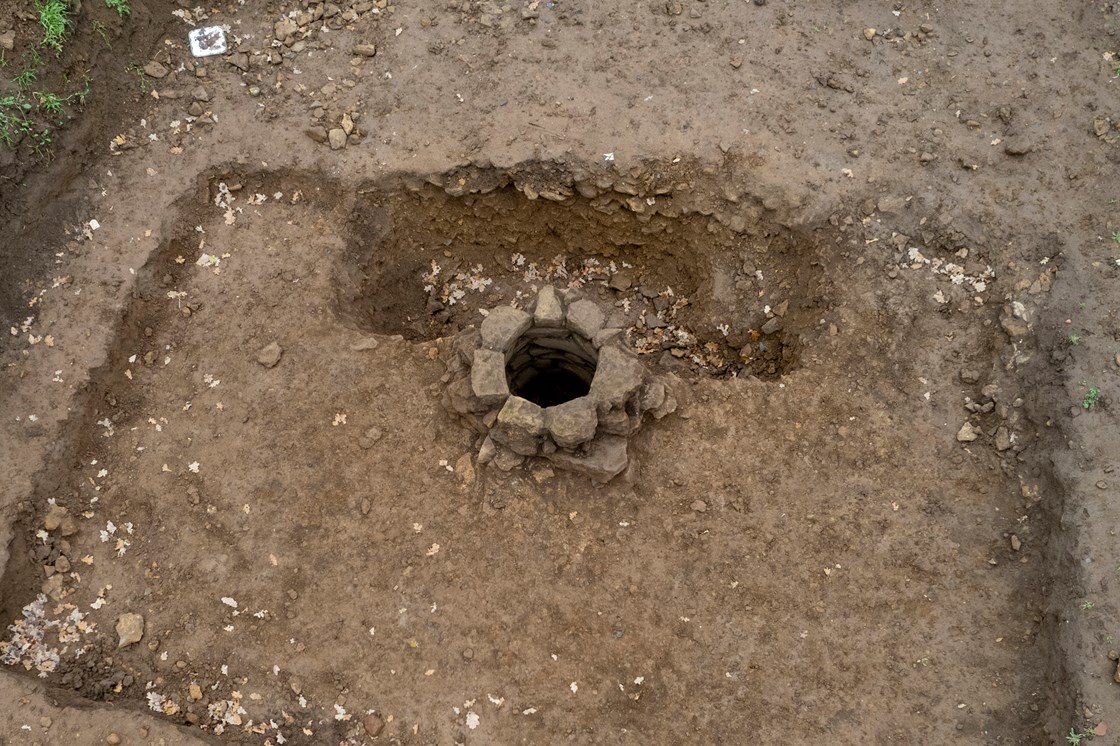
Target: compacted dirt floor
x: 872, y: 248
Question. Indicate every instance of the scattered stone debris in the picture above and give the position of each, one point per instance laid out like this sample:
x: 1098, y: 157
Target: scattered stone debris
x: 967, y: 433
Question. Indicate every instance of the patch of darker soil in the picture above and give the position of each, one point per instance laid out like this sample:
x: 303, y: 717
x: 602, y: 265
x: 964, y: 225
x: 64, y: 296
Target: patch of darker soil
x: 96, y: 78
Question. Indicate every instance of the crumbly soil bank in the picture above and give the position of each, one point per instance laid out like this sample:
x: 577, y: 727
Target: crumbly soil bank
x: 870, y: 248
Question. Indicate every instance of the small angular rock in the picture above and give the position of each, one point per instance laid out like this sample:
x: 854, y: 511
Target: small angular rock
x: 967, y: 433
x: 549, y: 310
x: 155, y: 70
x: 337, y: 138
x: 270, y: 355
x: 54, y: 517
x: 130, y: 629
x: 373, y: 725
x: 285, y: 28
x: 506, y: 460
x: 1014, y: 327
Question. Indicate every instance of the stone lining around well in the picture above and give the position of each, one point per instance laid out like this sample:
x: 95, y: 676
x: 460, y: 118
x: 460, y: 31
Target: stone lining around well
x: 553, y: 384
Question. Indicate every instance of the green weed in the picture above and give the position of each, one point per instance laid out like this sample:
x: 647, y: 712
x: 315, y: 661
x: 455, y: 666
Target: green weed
x: 14, y: 122
x: 141, y: 76
x: 1086, y: 605
x: 79, y: 95
x: 25, y: 78
x: 3, y: 60
x: 55, y: 20
x: 102, y: 31
x: 1073, y: 738
x: 1116, y: 236
x: 1074, y: 340
x: 121, y: 6
x: 1092, y: 396
x: 41, y: 143
x: 49, y: 102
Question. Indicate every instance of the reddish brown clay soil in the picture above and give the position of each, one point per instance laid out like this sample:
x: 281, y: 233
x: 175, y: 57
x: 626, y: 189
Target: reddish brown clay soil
x: 868, y: 246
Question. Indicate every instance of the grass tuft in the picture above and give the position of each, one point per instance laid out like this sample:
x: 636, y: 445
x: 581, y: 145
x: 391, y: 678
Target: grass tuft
x: 121, y: 6
x: 55, y: 19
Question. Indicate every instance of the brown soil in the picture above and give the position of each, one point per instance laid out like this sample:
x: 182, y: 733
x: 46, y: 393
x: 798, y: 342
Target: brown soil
x: 840, y: 245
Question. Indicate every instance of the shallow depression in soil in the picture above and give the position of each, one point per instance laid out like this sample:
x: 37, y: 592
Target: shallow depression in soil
x: 690, y: 294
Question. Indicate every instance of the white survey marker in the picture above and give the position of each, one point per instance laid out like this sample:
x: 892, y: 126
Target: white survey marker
x: 208, y: 41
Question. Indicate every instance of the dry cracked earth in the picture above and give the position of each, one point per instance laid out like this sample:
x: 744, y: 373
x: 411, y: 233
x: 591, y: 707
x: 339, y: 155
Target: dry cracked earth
x: 871, y: 249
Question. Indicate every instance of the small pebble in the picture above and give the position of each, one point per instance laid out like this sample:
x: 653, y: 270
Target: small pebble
x: 373, y: 725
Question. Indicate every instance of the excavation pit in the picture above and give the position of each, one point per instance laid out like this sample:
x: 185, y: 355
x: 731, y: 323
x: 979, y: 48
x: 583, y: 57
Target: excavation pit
x: 688, y: 293
x: 809, y: 433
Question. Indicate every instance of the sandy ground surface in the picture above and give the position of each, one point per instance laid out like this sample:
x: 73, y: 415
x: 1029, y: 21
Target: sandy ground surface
x: 870, y: 245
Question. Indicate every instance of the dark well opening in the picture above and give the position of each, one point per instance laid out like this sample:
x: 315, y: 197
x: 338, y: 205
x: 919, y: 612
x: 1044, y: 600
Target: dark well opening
x: 551, y: 366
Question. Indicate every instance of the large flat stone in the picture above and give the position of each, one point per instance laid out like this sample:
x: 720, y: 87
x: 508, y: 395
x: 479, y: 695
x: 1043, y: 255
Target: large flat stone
x: 586, y: 318
x: 520, y: 426
x: 488, y: 377
x: 605, y: 459
x: 503, y: 326
x: 617, y: 378
x: 572, y: 423
x: 549, y: 310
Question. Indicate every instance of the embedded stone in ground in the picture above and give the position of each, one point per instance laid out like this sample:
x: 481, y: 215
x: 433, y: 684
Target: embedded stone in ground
x: 616, y: 379
x: 572, y: 423
x: 502, y: 326
x: 520, y: 426
x: 549, y: 310
x: 586, y: 318
x: 488, y: 377
x: 604, y: 459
